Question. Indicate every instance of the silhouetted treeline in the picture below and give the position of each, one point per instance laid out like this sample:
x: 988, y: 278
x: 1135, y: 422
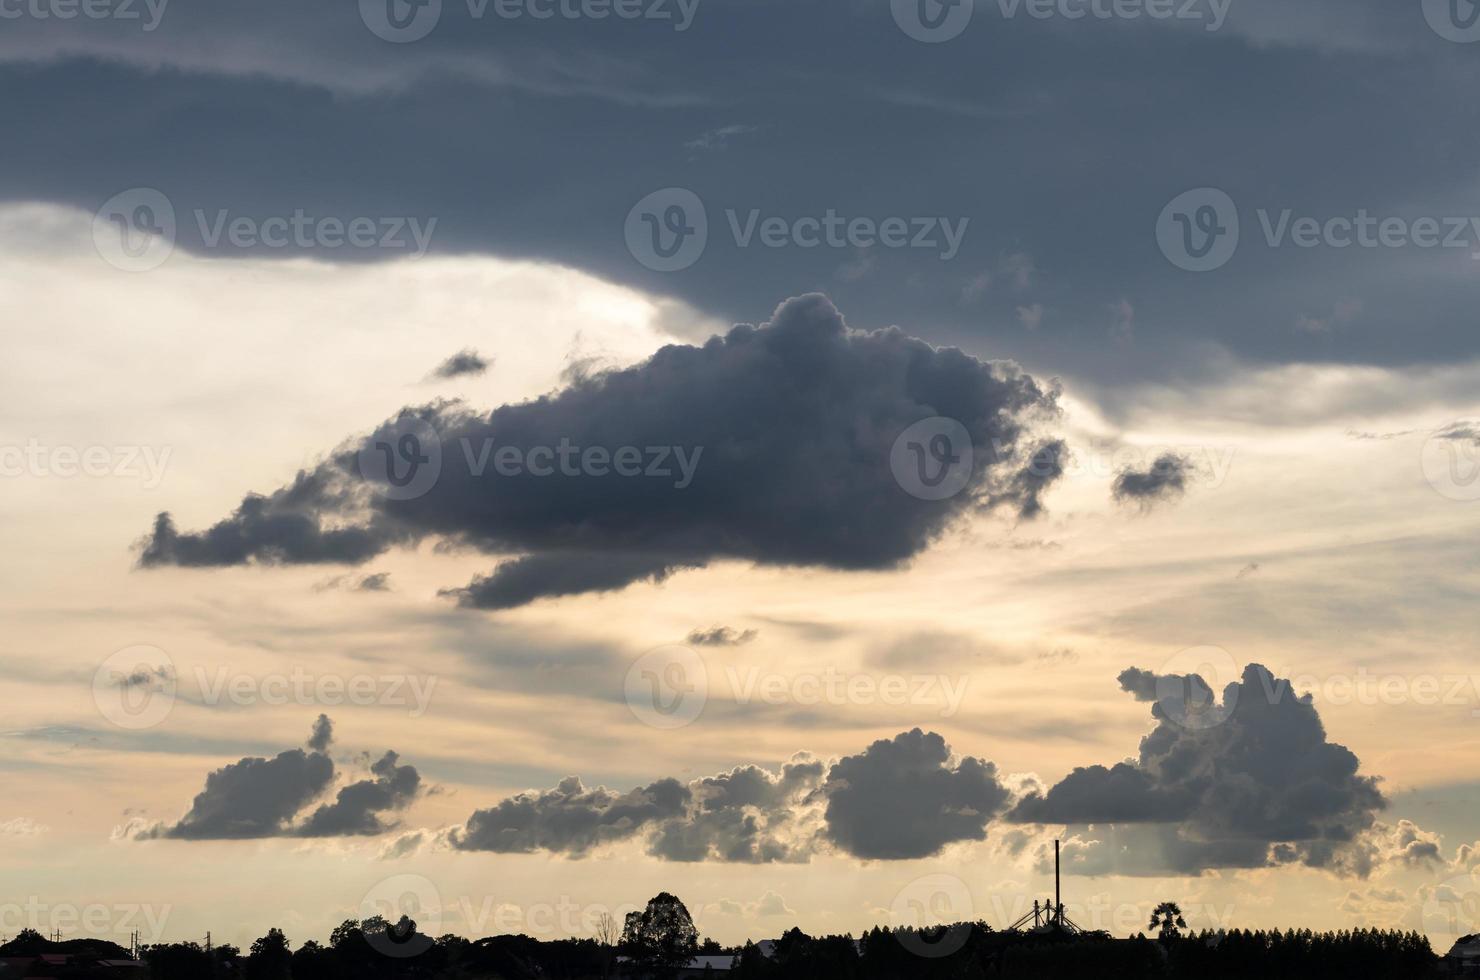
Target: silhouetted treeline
x: 376, y: 950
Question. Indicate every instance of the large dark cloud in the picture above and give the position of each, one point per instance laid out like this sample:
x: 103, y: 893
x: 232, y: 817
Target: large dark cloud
x: 1246, y: 781
x: 258, y: 797
x: 898, y: 799
x: 905, y: 799
x: 782, y: 438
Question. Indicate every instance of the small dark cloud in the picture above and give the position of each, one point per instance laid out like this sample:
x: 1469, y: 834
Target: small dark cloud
x: 465, y: 362
x: 375, y: 582
x: 323, y: 734
x: 570, y: 819
x: 1167, y: 479
x: 357, y: 808
x: 721, y: 636
x: 257, y: 797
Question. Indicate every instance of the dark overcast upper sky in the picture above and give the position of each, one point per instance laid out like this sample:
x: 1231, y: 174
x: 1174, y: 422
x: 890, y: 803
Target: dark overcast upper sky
x: 1060, y: 141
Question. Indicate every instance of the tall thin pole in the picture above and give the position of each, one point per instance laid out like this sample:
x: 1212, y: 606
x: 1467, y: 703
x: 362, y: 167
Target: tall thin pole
x: 1058, y: 905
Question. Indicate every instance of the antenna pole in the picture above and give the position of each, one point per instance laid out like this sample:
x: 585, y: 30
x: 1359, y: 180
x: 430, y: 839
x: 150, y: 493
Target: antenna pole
x: 1058, y: 905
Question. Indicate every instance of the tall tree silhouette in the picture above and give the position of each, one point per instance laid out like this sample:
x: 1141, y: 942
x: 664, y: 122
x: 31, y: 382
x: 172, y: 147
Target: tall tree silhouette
x: 661, y: 938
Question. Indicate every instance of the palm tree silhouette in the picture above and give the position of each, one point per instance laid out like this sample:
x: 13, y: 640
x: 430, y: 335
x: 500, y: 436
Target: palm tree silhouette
x: 1167, y: 917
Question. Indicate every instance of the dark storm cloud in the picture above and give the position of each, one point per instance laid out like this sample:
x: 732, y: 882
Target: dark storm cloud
x: 1166, y: 479
x: 720, y: 636
x: 258, y: 797
x: 897, y: 800
x: 772, y: 444
x: 464, y: 362
x: 1246, y: 781
x: 357, y: 808
x: 904, y: 799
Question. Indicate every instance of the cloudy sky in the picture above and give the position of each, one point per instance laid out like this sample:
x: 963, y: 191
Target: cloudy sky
x: 508, y: 459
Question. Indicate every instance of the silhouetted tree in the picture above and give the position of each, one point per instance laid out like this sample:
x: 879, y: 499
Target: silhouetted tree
x: 1168, y: 918
x: 661, y: 938
x: 271, y: 957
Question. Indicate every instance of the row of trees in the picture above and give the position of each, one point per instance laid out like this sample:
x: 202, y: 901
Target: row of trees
x: 658, y: 941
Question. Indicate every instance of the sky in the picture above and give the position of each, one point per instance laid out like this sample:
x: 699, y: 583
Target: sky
x: 501, y: 461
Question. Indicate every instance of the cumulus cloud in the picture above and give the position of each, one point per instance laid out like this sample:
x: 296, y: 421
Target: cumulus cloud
x: 257, y: 797
x: 899, y: 799
x: 357, y: 808
x: 771, y: 444
x: 905, y: 798
x: 1166, y: 479
x: 1243, y: 782
x: 465, y: 362
x: 721, y: 636
x: 570, y: 819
